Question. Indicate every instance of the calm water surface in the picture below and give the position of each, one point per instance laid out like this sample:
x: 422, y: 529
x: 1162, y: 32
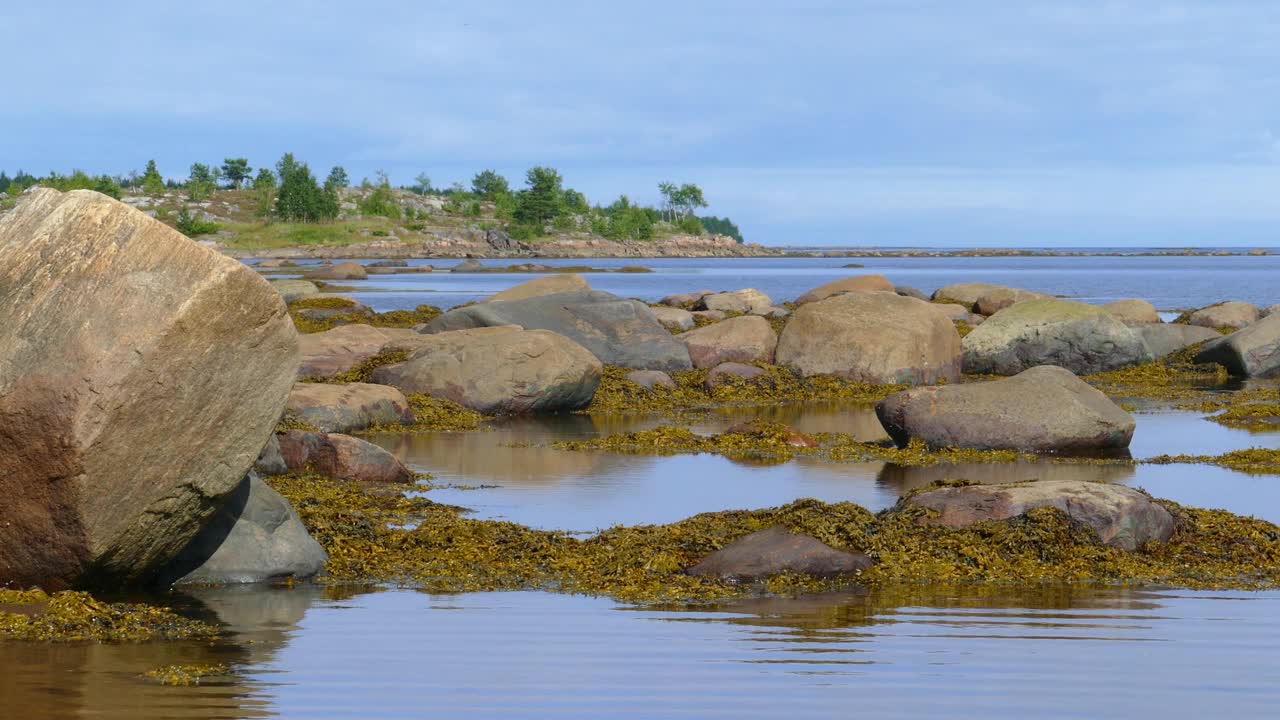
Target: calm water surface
x: 1170, y: 283
x: 936, y: 652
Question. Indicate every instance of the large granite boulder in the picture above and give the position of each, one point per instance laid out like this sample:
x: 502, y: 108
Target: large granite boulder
x: 1225, y: 315
x: 745, y: 301
x: 255, y: 537
x: 1166, y: 338
x: 336, y: 351
x: 965, y: 294
x: 1251, y: 352
x: 1044, y: 409
x: 744, y: 339
x: 1133, y: 312
x: 340, y: 457
x: 619, y: 332
x: 1122, y: 517
x: 1081, y: 338
x: 537, y: 287
x: 499, y: 370
x: 857, y: 284
x: 997, y: 299
x: 140, y: 374
x: 353, y: 406
x: 875, y: 337
x: 775, y: 551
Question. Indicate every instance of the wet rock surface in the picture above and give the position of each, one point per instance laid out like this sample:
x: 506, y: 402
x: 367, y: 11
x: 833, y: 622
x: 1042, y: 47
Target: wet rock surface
x: 775, y: 551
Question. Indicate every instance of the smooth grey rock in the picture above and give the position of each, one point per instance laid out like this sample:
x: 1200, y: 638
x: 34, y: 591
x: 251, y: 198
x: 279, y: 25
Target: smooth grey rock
x: 1166, y: 338
x: 649, y: 379
x: 777, y: 550
x: 1251, y: 352
x: 619, y: 332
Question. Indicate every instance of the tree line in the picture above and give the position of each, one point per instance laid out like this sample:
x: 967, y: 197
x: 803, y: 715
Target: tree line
x: 292, y: 193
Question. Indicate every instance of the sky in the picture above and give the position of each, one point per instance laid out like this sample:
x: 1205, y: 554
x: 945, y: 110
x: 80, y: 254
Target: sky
x: 970, y: 123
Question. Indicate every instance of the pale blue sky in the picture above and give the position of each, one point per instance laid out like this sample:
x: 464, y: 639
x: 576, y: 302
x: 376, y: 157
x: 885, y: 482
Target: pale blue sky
x: 879, y: 122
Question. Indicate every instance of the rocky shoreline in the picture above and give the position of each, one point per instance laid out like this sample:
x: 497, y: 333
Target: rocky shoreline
x: 170, y: 419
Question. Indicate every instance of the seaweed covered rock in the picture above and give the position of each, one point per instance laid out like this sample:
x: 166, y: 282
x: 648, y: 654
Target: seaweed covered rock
x: 744, y: 339
x: 1122, y: 517
x: 140, y: 374
x: 340, y: 457
x: 854, y: 284
x: 337, y: 351
x: 619, y: 332
x: 341, y: 271
x: 775, y: 551
x: 1166, y: 338
x: 997, y: 299
x: 878, y: 337
x: 965, y: 294
x: 538, y: 287
x: 499, y: 370
x: 749, y: 300
x: 1225, y: 315
x: 1251, y: 352
x: 255, y: 537
x: 1081, y: 338
x: 1133, y: 312
x: 1044, y: 409
x: 348, y: 407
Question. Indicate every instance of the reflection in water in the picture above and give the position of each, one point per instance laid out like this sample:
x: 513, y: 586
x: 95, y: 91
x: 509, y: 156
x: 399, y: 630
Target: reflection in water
x: 917, y: 651
x: 902, y: 479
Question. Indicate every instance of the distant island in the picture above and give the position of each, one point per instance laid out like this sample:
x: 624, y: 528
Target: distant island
x: 288, y: 212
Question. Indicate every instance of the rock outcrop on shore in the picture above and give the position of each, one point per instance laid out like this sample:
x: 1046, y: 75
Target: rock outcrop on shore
x: 876, y: 337
x: 498, y: 370
x: 139, y: 376
x: 1122, y: 517
x: 619, y: 332
x: 1044, y: 409
x: 1081, y: 338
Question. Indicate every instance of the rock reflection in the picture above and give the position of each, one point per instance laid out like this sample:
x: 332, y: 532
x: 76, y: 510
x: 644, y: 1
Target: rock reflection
x: 901, y: 479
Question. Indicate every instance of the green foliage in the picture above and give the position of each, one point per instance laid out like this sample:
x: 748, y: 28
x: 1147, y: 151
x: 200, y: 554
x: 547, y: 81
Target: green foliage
x: 300, y: 198
x: 5, y: 181
x: 264, y: 192
x: 721, y: 226
x: 473, y: 209
x: 192, y: 226
x: 690, y: 225
x: 382, y: 200
x: 489, y: 185
x: 77, y: 180
x: 236, y: 171
x: 152, y: 183
x: 624, y: 220
x: 200, y: 184
x: 421, y: 184
x: 337, y: 178
x: 542, y: 201
x: 681, y: 201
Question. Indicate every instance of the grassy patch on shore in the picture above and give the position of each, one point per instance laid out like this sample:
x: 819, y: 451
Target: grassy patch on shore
x: 379, y: 535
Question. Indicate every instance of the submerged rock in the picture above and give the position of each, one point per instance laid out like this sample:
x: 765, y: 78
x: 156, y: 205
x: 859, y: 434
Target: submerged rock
x: 538, y: 287
x: 499, y: 370
x: 619, y: 332
x: 1225, y: 315
x: 341, y: 457
x: 255, y: 537
x: 1045, y: 409
x: 879, y: 337
x: 1081, y: 338
x: 347, y: 407
x: 341, y: 271
x: 140, y: 374
x: 1122, y: 517
x: 776, y: 550
x: 743, y: 339
x: 1251, y: 352
x: 855, y: 284
x: 1133, y: 312
x: 1166, y: 338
